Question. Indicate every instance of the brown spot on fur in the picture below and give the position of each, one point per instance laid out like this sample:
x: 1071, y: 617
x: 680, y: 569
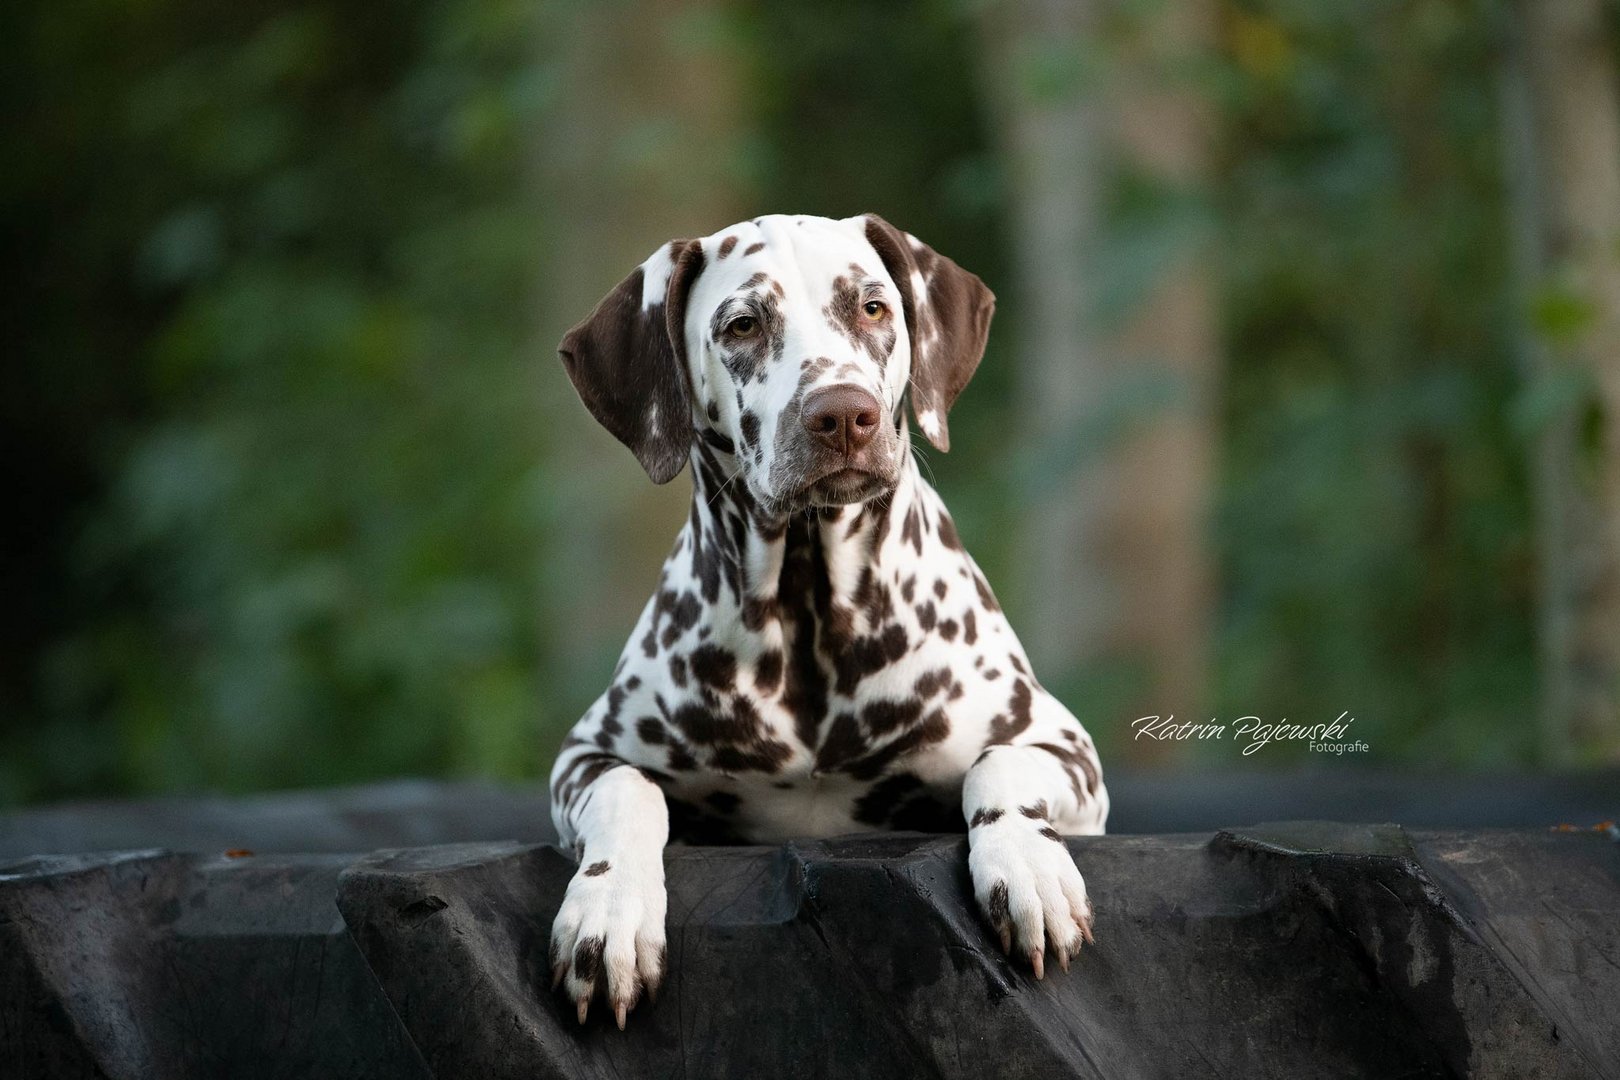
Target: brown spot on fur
x: 757, y: 611
x: 932, y: 682
x: 845, y: 315
x: 1019, y: 704
x: 750, y: 428
x: 1080, y: 767
x: 726, y: 245
x: 911, y: 529
x: 985, y: 815
x: 1002, y: 730
x: 932, y: 728
x: 714, y: 666
x: 597, y: 869
x: 680, y: 758
x: 843, y: 742
x: 883, y: 716
x: 766, y: 756
x: 768, y: 671
x: 986, y: 597
x: 588, y: 958
x: 998, y: 909
x: 868, y: 655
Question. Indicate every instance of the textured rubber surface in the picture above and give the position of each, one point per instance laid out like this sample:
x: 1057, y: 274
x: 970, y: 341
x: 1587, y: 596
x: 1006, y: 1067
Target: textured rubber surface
x: 1287, y: 950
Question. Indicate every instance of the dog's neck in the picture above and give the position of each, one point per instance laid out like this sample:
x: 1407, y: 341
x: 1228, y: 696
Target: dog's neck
x: 753, y: 569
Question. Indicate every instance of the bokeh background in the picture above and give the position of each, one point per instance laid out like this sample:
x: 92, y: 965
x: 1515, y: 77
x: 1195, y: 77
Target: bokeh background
x: 1299, y: 398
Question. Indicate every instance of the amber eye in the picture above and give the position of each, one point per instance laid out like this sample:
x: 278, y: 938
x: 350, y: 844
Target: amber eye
x: 875, y: 309
x: 743, y: 326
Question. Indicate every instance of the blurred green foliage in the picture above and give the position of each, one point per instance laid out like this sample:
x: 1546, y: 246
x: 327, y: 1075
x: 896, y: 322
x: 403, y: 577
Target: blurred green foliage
x: 1373, y: 521
x: 310, y: 552
x: 286, y: 502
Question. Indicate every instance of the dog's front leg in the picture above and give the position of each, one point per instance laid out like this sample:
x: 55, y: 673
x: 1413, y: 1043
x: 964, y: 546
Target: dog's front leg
x: 1024, y: 879
x: 609, y: 932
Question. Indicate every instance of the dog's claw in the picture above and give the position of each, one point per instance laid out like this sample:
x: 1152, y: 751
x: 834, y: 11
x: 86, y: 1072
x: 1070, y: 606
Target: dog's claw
x: 1029, y: 891
x: 608, y: 936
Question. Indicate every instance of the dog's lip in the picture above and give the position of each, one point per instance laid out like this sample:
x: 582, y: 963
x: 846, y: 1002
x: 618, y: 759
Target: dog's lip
x: 845, y: 484
x: 843, y: 476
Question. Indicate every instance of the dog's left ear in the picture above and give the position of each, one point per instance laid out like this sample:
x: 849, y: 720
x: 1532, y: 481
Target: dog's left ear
x: 628, y: 359
x: 947, y: 313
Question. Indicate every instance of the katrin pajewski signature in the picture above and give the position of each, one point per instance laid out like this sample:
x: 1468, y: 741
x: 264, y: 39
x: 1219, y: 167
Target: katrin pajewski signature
x: 1253, y: 732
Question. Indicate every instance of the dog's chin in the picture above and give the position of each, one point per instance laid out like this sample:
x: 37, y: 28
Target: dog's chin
x: 845, y: 487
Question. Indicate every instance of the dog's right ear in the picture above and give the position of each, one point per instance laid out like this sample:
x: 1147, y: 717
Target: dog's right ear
x: 627, y: 359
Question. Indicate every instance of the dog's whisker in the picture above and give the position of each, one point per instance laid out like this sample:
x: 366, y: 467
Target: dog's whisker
x: 723, y: 485
x: 920, y: 449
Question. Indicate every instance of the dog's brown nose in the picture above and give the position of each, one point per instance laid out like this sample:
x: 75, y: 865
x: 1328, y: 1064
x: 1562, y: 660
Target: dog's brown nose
x: 842, y: 418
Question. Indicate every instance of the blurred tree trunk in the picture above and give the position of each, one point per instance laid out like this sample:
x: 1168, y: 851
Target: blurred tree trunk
x: 1562, y: 106
x: 639, y: 147
x: 1115, y: 404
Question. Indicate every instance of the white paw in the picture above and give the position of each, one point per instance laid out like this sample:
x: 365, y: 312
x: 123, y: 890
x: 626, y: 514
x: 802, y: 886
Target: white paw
x: 1028, y: 887
x: 608, y: 938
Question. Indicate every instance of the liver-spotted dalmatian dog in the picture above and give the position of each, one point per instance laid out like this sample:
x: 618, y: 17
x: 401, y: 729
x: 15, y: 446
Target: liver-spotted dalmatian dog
x: 821, y: 656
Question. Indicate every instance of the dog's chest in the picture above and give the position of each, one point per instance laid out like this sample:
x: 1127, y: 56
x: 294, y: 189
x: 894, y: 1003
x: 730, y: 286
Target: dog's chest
x: 875, y: 732
x: 844, y: 676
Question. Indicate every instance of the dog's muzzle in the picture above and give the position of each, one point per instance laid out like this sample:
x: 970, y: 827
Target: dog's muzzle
x: 851, y: 459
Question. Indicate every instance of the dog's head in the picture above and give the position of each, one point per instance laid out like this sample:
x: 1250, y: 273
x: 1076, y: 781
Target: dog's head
x: 785, y: 345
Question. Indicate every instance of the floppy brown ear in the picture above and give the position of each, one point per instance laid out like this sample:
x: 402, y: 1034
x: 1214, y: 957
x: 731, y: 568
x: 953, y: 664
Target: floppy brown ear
x: 627, y: 359
x: 947, y: 313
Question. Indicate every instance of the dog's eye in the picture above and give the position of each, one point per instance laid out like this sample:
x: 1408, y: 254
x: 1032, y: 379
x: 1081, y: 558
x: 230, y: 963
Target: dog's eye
x: 743, y: 326
x: 875, y: 309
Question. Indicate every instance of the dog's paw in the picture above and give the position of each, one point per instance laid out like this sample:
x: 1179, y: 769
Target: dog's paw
x: 608, y: 938
x: 1028, y: 887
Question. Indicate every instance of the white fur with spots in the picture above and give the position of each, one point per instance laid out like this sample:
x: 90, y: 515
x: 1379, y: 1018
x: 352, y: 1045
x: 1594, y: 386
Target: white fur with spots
x: 814, y: 662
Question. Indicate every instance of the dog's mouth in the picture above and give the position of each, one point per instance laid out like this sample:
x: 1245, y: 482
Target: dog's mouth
x: 845, y: 486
